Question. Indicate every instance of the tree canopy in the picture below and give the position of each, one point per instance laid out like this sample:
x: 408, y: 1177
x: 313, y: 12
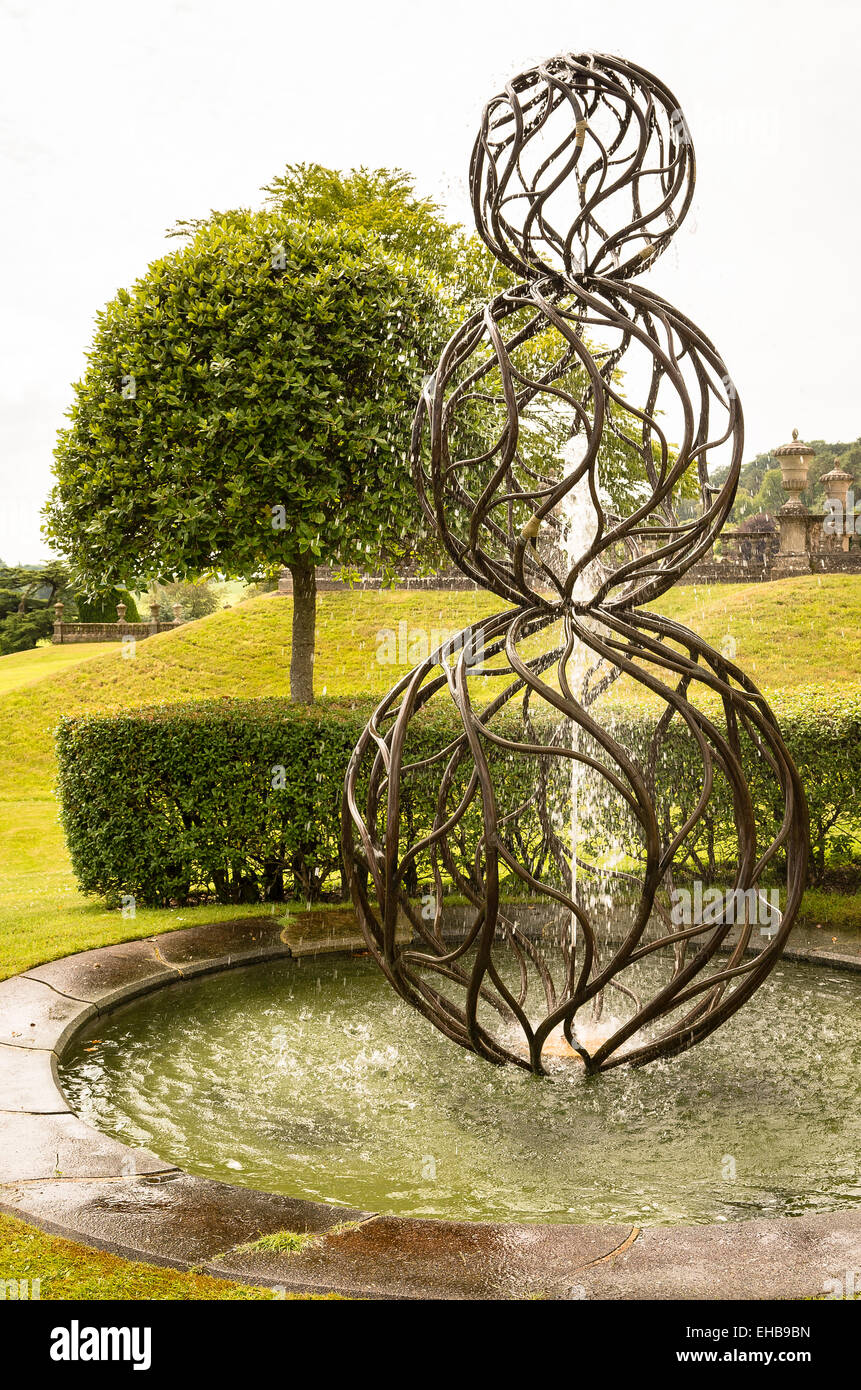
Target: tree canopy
x: 27, y: 595
x: 247, y: 403
x: 268, y: 365
x: 382, y: 204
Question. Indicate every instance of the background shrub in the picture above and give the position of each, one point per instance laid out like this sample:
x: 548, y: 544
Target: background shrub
x: 196, y: 600
x: 21, y: 631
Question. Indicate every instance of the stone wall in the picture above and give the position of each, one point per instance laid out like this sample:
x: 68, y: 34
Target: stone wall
x: 718, y: 571
x: 64, y: 633
x: 836, y: 562
x: 328, y: 582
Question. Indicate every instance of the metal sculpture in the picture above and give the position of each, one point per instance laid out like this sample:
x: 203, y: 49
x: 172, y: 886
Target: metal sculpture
x: 566, y: 448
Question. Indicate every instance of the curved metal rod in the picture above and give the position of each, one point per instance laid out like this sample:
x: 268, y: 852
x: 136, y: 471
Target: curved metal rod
x: 565, y: 449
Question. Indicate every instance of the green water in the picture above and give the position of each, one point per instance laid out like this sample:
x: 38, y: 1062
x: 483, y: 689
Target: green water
x: 312, y: 1078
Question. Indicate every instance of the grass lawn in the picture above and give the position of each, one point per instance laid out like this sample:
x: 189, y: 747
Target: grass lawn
x: 244, y: 650
x: 791, y: 633
x: 27, y: 668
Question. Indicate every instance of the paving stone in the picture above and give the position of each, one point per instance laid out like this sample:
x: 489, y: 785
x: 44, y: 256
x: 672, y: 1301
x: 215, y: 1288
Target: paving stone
x: 174, y: 1219
x: 790, y: 1258
x: 834, y: 960
x: 107, y: 975
x: 393, y: 1257
x: 52, y: 1146
x: 328, y: 946
x: 324, y: 933
x: 196, y: 950
x: 28, y: 1081
x: 34, y: 1015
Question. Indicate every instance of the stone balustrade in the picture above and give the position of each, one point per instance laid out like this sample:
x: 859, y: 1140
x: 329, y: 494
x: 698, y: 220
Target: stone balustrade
x: 119, y: 631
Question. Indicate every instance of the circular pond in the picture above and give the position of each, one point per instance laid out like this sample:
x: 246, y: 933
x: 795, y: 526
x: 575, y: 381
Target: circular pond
x: 312, y: 1078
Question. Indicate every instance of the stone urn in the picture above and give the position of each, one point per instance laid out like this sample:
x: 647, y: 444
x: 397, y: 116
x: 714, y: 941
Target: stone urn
x: 840, y: 512
x: 793, y: 516
x: 795, y: 460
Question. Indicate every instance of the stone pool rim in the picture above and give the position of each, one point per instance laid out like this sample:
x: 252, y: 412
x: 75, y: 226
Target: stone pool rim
x: 70, y: 1179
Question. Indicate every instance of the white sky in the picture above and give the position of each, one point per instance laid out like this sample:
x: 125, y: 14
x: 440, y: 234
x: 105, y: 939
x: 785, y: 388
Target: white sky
x: 117, y: 119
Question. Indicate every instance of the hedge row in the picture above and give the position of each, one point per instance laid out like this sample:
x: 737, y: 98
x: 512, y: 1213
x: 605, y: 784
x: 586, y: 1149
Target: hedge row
x: 241, y: 800
x: 822, y: 732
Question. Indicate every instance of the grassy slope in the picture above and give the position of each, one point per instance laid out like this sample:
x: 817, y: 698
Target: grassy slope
x: 781, y: 630
x: 791, y: 633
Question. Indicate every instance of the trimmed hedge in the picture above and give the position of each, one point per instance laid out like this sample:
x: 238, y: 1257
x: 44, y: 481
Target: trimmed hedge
x: 240, y: 800
x: 104, y: 608
x: 174, y: 803
x: 177, y: 803
x: 822, y: 732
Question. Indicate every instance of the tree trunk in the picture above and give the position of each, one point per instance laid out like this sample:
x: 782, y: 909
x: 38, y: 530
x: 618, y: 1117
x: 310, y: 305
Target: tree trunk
x: 304, y: 630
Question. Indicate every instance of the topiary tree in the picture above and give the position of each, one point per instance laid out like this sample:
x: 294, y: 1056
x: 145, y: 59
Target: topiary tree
x: 247, y: 404
x: 383, y: 205
x: 103, y: 608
